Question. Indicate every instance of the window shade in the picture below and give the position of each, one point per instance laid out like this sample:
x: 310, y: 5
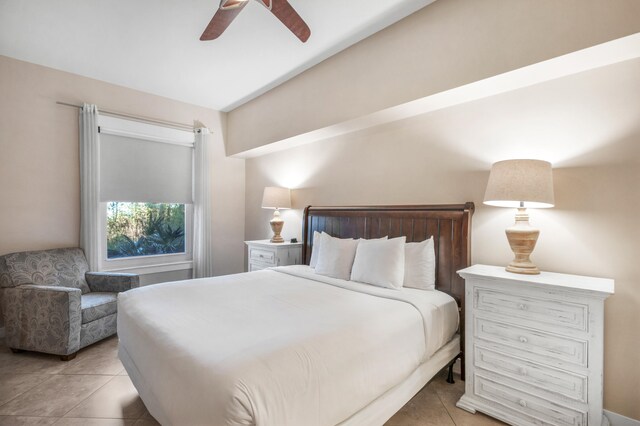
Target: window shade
x: 139, y: 170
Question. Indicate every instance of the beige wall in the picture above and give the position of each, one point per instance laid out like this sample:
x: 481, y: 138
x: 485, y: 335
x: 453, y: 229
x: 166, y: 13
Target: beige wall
x: 588, y: 125
x: 39, y: 166
x: 445, y: 45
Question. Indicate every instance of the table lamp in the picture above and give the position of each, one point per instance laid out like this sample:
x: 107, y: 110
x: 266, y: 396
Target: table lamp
x: 521, y: 184
x: 276, y: 198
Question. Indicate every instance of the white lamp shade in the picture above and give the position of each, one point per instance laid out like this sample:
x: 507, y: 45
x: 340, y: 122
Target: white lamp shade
x: 512, y: 182
x: 276, y: 198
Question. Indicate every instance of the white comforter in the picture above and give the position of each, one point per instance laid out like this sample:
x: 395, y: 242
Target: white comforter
x: 275, y: 347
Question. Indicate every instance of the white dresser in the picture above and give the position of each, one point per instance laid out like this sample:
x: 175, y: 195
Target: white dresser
x: 534, y: 346
x: 265, y: 254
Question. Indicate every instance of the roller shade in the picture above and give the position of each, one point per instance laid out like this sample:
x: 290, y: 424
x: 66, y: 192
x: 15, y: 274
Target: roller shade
x: 136, y: 169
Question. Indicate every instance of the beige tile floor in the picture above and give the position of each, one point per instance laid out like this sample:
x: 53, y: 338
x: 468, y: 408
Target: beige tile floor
x: 94, y: 390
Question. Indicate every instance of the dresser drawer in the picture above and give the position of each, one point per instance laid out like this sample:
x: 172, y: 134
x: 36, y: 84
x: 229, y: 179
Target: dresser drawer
x: 538, y: 311
x: 551, y: 347
x: 537, y: 411
x: 261, y: 255
x: 253, y: 266
x: 553, y: 380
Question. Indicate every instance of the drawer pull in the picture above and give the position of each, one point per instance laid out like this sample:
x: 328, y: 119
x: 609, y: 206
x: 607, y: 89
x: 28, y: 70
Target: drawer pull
x: 522, y: 403
x: 262, y: 255
x: 523, y: 339
x: 522, y: 307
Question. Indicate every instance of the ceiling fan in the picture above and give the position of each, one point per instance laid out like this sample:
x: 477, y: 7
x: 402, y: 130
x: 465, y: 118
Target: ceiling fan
x: 282, y: 10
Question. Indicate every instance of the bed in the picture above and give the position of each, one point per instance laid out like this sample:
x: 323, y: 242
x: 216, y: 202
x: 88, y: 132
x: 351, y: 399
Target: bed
x: 286, y: 346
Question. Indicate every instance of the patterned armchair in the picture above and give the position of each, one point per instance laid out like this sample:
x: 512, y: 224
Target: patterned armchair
x: 52, y: 304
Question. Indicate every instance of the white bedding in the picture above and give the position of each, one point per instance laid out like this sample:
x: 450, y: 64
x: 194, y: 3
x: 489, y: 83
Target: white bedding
x: 275, y: 347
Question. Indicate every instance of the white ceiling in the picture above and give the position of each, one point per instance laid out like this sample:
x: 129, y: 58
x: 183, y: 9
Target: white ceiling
x: 154, y: 46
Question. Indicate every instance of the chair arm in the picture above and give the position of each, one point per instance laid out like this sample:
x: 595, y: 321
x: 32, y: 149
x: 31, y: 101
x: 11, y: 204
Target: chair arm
x: 43, y: 318
x: 111, y: 282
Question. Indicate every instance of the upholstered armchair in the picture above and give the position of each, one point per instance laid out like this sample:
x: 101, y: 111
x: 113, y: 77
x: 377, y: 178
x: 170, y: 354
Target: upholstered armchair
x: 53, y: 304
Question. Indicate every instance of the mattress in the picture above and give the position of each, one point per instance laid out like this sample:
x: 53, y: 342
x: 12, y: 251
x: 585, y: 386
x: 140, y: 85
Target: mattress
x: 275, y: 347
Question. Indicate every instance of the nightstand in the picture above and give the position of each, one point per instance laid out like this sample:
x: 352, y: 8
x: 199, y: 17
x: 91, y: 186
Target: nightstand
x: 264, y: 254
x: 534, y: 346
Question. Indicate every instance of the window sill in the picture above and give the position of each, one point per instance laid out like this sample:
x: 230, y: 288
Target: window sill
x: 154, y: 269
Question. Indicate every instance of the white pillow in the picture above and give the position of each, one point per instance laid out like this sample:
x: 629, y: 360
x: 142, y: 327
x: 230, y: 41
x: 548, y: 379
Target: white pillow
x: 380, y: 262
x: 420, y: 265
x: 315, y: 249
x: 335, y: 258
x: 318, y: 238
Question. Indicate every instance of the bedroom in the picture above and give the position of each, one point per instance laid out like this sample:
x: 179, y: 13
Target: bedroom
x: 356, y: 138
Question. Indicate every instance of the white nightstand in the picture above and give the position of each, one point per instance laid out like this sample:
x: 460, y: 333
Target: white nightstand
x: 264, y: 254
x: 534, y: 346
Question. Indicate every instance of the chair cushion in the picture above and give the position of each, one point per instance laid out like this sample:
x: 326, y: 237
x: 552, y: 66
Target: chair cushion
x: 97, y: 305
x: 58, y: 267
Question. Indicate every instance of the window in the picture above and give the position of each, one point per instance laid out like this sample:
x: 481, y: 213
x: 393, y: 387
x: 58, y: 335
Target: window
x: 144, y: 229
x: 146, y: 197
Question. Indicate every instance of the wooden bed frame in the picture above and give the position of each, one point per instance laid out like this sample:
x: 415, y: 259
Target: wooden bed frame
x: 449, y: 225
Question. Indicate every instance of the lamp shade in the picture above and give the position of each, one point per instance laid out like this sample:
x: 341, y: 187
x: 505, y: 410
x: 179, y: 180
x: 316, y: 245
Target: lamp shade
x: 276, y: 198
x: 512, y: 182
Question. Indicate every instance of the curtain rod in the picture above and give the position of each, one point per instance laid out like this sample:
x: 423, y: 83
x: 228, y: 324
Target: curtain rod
x: 173, y: 124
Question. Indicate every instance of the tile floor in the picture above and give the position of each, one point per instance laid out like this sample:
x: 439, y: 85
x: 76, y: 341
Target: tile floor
x: 94, y: 390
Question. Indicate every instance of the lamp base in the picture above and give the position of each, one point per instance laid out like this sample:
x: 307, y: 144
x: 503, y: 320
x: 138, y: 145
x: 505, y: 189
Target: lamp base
x: 276, y: 226
x: 529, y: 269
x: 522, y: 239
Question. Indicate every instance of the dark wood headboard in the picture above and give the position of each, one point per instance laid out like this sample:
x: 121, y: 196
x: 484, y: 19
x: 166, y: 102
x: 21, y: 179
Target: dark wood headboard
x: 450, y: 226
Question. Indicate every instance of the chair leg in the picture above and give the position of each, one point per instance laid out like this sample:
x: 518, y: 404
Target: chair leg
x: 68, y: 357
x: 17, y: 351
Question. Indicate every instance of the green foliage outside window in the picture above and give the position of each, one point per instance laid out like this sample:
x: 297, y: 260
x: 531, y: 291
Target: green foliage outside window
x: 144, y: 229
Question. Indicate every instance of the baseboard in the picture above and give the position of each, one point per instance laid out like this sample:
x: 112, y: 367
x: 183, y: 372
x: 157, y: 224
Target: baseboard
x: 619, y: 420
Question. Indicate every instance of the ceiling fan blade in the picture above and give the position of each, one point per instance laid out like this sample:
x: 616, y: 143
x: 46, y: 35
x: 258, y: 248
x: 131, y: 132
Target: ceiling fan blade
x: 290, y: 18
x: 221, y: 21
